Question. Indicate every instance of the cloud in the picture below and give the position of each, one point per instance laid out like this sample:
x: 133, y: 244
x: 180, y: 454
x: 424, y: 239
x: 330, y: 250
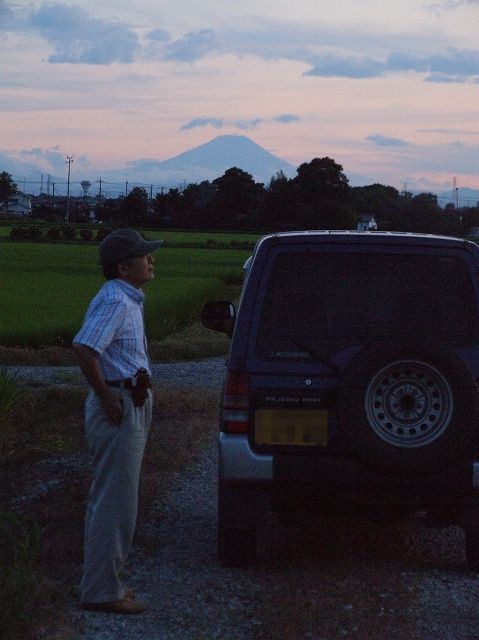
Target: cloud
x: 4, y: 9
x: 203, y: 122
x: 459, y: 62
x: 462, y: 132
x: 456, y: 62
x: 51, y: 159
x: 457, y: 65
x: 330, y: 65
x: 159, y: 35
x: 248, y: 125
x: 242, y: 125
x: 447, y: 5
x: 437, y: 77
x: 384, y: 141
x: 191, y: 47
x: 287, y: 118
x: 78, y: 38
x: 6, y: 15
x: 276, y: 40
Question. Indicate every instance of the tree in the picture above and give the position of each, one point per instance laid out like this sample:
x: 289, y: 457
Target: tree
x: 236, y: 200
x: 168, y: 207
x: 381, y: 201
x: 195, y: 206
x: 278, y: 212
x: 107, y: 210
x: 323, y: 195
x: 7, y: 186
x: 134, y: 207
x: 422, y: 214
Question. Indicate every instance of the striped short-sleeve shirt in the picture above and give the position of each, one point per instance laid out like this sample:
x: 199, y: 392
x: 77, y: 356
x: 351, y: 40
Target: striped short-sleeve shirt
x: 114, y: 328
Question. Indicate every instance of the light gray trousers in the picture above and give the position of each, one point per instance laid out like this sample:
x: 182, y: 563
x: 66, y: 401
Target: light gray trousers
x: 116, y: 455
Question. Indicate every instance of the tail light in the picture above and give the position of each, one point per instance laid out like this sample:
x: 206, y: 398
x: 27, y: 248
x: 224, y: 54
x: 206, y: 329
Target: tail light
x: 235, y: 410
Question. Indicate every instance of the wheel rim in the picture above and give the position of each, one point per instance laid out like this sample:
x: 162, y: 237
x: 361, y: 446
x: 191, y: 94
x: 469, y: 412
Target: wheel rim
x: 409, y: 404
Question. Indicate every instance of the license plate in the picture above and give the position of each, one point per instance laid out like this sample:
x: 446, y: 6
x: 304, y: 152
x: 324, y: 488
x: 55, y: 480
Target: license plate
x: 291, y: 427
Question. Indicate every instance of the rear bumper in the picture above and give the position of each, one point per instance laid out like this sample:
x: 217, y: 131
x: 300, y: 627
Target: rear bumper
x: 239, y: 464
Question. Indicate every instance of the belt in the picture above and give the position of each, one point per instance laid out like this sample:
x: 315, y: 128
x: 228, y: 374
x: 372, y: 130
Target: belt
x: 125, y: 384
x: 139, y: 386
x: 129, y: 383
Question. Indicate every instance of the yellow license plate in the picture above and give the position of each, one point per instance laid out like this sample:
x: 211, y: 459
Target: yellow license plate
x: 294, y: 427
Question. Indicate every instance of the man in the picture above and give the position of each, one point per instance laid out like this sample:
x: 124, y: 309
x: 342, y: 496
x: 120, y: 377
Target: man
x: 112, y: 353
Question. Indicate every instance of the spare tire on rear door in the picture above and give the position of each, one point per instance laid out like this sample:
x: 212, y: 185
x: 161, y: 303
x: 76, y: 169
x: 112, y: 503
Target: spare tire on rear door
x: 408, y: 408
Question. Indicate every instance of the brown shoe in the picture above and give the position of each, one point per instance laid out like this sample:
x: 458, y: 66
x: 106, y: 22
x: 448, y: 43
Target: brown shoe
x: 125, y: 606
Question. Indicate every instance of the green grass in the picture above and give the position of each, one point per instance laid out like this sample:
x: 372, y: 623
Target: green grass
x: 171, y: 238
x: 9, y: 397
x: 19, y: 549
x: 45, y: 289
x: 201, y: 237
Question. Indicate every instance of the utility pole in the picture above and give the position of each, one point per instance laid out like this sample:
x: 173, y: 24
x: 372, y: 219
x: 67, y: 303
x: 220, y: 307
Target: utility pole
x: 68, y: 161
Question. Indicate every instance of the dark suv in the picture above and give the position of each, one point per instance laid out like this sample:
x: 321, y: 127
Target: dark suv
x: 351, y: 382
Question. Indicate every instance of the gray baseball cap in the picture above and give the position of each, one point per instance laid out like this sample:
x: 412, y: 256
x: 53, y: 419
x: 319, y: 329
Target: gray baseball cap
x: 124, y: 244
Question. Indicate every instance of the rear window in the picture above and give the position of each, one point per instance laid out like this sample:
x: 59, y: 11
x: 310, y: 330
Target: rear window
x: 324, y: 302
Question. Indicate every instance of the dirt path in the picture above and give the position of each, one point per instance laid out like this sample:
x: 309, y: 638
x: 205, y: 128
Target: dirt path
x: 344, y: 578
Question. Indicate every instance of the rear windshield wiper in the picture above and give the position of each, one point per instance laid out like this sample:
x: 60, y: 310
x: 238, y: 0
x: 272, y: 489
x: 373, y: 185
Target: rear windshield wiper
x: 313, y: 353
x: 291, y: 335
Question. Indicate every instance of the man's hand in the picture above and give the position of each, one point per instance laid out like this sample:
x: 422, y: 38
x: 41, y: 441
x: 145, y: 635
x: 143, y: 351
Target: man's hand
x: 112, y: 406
x: 89, y: 364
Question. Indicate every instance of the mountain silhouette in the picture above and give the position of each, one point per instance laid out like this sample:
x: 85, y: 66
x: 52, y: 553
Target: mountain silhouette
x: 210, y: 160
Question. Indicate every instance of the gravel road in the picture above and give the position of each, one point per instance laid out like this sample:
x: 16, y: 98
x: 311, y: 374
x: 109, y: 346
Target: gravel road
x: 343, y: 577
x: 205, y: 373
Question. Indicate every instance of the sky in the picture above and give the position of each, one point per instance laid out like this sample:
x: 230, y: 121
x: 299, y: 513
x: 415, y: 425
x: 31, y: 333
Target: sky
x: 388, y: 89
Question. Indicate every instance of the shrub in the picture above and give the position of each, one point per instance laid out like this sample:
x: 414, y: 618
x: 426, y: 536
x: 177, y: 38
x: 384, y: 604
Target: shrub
x: 241, y: 244
x: 25, y: 232
x: 19, y: 233
x: 102, y: 233
x: 68, y: 232
x: 54, y: 233
x: 86, y: 234
x: 35, y: 233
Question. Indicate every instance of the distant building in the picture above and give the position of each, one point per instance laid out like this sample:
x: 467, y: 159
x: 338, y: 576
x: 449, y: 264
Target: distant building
x: 367, y: 223
x: 17, y: 204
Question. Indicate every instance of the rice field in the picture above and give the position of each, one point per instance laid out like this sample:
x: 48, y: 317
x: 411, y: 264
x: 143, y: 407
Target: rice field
x: 170, y: 237
x: 45, y: 289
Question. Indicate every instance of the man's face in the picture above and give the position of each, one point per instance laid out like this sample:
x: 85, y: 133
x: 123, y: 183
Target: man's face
x: 137, y: 271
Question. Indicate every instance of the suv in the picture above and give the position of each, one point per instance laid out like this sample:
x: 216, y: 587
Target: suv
x: 351, y: 382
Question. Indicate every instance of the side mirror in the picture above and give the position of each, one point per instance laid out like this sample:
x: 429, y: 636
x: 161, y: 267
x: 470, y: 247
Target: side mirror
x: 219, y: 316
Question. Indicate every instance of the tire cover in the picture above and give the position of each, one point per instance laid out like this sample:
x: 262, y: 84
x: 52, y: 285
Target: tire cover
x: 408, y: 408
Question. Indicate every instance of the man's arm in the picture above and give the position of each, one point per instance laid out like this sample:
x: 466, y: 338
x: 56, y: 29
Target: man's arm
x: 89, y: 364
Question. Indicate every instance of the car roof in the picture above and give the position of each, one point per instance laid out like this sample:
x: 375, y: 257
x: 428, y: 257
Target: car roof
x: 366, y: 237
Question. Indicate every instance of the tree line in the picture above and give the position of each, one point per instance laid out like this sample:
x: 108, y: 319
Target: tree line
x: 318, y: 197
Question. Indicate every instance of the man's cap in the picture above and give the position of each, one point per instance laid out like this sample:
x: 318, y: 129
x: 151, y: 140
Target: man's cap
x: 124, y: 244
